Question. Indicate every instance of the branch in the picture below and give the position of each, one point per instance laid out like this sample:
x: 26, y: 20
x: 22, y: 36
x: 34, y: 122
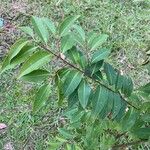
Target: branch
x: 68, y: 63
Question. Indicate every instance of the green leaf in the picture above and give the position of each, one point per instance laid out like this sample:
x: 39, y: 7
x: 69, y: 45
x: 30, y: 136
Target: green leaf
x: 84, y: 91
x: 65, y: 133
x: 76, y: 57
x: 16, y: 48
x: 93, y: 68
x: 58, y: 83
x: 146, y: 117
x: 138, y: 124
x: 119, y: 81
x: 110, y: 103
x: 5, y: 66
x: 121, y: 113
x: 67, y: 42
x: 40, y: 28
x: 73, y: 99
x: 107, y: 109
x: 100, y: 55
x: 37, y: 60
x: 25, y: 52
x: 142, y: 133
x: 98, y: 41
x: 116, y: 105
x: 129, y: 120
x: 66, y: 24
x: 99, y: 99
x: 145, y: 88
x: 78, y: 39
x: 97, y: 75
x: 127, y: 86
x: 80, y: 31
x: 90, y: 37
x: 70, y: 147
x: 145, y: 107
x: 110, y: 73
x: 104, y: 112
x: 76, y: 117
x: 60, y: 139
x: 41, y: 97
x: 73, y: 79
x: 50, y: 25
x: 27, y: 30
x: 36, y: 76
x: 54, y: 145
x: 62, y: 73
x: 70, y: 112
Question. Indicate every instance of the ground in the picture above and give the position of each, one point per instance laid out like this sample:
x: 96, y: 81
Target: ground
x: 127, y: 24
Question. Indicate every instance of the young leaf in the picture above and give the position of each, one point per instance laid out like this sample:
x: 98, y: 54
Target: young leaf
x: 36, y: 76
x: 98, y: 41
x: 84, y: 91
x: 73, y: 79
x: 100, y: 55
x: 16, y: 48
x: 110, y: 73
x: 27, y: 30
x: 50, y: 25
x: 40, y: 28
x: 99, y: 99
x: 37, y: 60
x: 66, y: 24
x: 67, y: 42
x: 41, y: 97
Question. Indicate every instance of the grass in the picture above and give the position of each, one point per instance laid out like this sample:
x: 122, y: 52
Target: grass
x: 127, y: 24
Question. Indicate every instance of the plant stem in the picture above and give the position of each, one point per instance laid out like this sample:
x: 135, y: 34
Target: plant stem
x: 68, y: 63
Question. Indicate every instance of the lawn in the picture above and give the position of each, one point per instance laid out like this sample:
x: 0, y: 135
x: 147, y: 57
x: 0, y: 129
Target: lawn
x: 127, y: 24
